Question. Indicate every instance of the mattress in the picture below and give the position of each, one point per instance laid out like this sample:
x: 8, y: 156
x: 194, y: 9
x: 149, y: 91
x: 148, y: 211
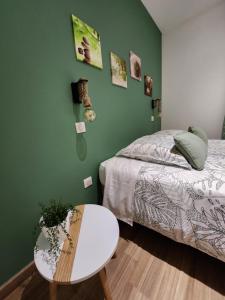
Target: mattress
x: 127, y: 165
x: 102, y: 170
x: 187, y: 206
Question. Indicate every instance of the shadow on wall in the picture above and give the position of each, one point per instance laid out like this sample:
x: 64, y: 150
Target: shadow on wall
x: 81, y: 147
x: 81, y: 143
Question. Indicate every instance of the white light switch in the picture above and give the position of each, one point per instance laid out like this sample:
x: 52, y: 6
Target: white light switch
x: 80, y: 127
x: 87, y: 182
x: 152, y: 118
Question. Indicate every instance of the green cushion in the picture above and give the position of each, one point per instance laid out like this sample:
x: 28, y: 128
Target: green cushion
x: 199, y: 132
x: 193, y: 149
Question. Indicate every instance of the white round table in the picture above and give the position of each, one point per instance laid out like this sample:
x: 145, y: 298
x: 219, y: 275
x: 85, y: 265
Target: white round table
x: 96, y: 241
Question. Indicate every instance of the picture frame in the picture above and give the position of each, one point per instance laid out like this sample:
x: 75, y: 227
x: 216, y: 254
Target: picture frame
x: 135, y: 66
x: 118, y: 70
x: 87, y: 43
x: 148, y: 85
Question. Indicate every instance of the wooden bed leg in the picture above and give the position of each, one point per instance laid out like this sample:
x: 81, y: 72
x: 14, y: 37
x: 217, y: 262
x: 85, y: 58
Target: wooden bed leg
x: 52, y: 291
x: 105, y: 286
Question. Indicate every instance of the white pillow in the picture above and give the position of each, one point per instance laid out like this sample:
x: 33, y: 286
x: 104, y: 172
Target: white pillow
x: 157, y: 148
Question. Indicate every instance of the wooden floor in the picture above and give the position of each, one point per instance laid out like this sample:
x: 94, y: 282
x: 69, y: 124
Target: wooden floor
x: 148, y: 266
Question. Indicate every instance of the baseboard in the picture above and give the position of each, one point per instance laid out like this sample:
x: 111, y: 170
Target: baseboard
x: 10, y: 285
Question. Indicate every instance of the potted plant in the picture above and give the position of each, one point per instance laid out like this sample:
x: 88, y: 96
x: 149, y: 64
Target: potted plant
x: 54, y: 223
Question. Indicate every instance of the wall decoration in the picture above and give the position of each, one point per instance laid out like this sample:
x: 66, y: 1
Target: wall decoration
x: 148, y: 85
x: 223, y: 131
x: 87, y: 43
x: 156, y: 104
x: 135, y: 66
x: 80, y: 95
x: 119, y: 71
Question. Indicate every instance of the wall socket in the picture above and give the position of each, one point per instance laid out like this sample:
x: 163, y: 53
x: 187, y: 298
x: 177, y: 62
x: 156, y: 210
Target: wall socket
x: 87, y: 182
x: 152, y: 118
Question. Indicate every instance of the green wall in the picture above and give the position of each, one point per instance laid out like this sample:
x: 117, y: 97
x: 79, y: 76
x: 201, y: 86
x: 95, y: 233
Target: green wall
x: 41, y: 157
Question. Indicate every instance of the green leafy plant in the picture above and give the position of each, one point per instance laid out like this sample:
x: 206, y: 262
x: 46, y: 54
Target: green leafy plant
x: 53, y: 222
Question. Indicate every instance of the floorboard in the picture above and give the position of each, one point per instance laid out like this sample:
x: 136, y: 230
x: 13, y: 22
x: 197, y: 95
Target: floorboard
x: 147, y: 266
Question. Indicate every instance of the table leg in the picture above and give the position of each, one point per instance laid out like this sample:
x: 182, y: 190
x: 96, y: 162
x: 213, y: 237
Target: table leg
x: 53, y: 291
x: 105, y: 285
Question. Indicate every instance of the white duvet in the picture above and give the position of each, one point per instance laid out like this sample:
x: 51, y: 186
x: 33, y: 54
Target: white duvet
x: 185, y: 205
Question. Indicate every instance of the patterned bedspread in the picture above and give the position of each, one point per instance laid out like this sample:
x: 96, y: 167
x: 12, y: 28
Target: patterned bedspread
x: 185, y: 205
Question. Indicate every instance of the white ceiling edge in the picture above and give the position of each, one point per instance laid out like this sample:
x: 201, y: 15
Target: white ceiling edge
x: 170, y: 14
x: 149, y: 9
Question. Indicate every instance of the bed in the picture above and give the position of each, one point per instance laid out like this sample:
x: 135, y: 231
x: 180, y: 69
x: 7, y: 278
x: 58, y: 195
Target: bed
x: 179, y: 202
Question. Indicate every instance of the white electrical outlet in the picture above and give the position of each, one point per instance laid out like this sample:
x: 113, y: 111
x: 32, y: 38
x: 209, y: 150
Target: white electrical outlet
x: 87, y: 182
x: 80, y: 127
x: 152, y: 118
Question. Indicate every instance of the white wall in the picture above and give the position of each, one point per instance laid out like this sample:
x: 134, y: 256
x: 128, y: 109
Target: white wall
x: 193, y: 73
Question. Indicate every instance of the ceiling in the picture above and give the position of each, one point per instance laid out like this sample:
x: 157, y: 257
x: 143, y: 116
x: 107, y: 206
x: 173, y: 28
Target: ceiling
x: 168, y: 14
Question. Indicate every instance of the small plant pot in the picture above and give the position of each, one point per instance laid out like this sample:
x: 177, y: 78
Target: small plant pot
x: 58, y: 230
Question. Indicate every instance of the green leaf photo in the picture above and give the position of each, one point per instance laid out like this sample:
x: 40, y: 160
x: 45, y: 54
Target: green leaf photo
x: 87, y: 43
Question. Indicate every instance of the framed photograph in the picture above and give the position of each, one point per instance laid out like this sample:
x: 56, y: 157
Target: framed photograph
x: 148, y: 85
x: 87, y: 43
x: 135, y: 66
x: 118, y: 70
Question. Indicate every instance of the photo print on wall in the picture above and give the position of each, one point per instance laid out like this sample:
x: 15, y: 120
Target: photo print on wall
x: 87, y: 43
x: 118, y: 70
x: 135, y: 66
x: 148, y: 85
